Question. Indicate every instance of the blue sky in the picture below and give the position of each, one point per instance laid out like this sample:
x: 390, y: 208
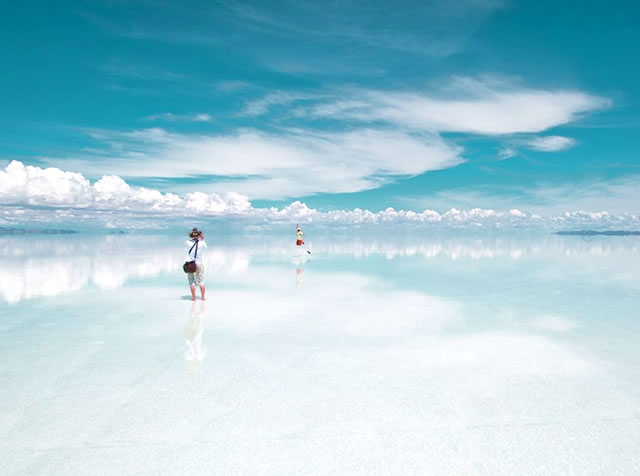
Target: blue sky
x: 343, y: 105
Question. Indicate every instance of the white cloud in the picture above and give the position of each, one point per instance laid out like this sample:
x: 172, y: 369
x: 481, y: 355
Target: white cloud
x: 488, y: 106
x: 507, y: 153
x: 312, y: 32
x: 498, y: 113
x: 20, y: 184
x: 170, y: 117
x: 36, y: 186
x: 233, y: 85
x: 297, y: 163
x: 260, y: 106
x: 77, y: 200
x: 550, y: 143
x: 377, y: 137
x: 540, y: 144
x: 619, y: 197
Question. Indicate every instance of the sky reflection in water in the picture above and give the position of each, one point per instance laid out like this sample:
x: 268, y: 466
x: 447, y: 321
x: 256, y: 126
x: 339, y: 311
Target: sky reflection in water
x: 440, y: 354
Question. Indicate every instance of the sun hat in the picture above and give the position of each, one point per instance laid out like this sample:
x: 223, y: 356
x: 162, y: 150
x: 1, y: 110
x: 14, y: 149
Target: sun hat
x: 195, y: 233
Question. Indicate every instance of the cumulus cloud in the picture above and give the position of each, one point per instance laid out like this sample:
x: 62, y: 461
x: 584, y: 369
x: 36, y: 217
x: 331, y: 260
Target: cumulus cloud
x: 73, y: 198
x: 36, y: 186
x: 29, y: 185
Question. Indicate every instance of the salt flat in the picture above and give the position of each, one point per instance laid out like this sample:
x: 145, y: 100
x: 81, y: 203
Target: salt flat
x: 377, y: 355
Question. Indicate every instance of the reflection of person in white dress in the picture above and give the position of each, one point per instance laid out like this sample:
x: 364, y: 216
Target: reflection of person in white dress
x: 299, y: 275
x: 193, y: 332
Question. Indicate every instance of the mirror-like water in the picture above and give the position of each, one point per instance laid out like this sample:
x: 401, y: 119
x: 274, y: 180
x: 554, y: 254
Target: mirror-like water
x: 429, y: 355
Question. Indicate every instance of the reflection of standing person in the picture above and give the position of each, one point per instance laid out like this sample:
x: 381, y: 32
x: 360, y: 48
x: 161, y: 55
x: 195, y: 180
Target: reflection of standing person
x: 193, y: 332
x: 195, y: 249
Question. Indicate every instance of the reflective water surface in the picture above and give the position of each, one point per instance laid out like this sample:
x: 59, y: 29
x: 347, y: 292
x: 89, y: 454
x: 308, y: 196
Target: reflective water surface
x: 375, y: 355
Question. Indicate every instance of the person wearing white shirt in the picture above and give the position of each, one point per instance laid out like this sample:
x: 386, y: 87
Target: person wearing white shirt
x: 196, y: 247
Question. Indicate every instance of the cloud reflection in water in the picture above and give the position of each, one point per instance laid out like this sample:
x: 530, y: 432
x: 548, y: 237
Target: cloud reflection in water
x: 50, y: 266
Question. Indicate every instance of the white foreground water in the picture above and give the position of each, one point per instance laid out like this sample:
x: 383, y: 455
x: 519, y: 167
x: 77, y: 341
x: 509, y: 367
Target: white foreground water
x: 413, y: 355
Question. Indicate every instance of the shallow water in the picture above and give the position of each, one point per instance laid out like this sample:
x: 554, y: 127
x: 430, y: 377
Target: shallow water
x: 379, y: 355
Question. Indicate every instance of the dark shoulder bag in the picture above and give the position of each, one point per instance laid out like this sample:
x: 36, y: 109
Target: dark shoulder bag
x: 190, y: 266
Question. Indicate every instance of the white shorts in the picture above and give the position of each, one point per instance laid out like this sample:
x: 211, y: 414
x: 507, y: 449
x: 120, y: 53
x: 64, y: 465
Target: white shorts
x: 197, y: 277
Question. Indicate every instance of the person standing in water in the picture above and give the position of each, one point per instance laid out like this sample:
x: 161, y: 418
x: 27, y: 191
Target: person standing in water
x: 299, y: 234
x: 299, y: 240
x: 195, y: 250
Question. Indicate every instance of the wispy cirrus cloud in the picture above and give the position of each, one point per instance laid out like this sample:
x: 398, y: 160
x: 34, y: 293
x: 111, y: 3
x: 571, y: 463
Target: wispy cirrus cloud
x: 260, y: 106
x: 506, y: 153
x: 373, y: 138
x: 615, y: 196
x: 122, y: 69
x: 550, y: 143
x: 290, y: 163
x: 233, y: 85
x: 483, y: 106
x: 170, y: 117
x: 535, y: 143
x: 436, y: 29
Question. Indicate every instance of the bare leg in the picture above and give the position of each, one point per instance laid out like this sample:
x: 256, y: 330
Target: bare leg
x: 201, y: 292
x: 193, y: 291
